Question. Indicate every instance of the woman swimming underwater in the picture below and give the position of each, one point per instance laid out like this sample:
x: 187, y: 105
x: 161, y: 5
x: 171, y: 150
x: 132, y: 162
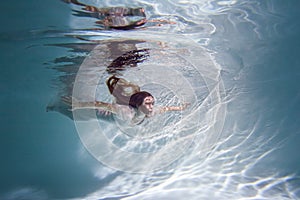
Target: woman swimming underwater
x: 131, y: 104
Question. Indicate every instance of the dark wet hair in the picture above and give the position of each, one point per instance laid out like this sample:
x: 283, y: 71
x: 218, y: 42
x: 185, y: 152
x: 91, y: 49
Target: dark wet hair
x: 126, y: 93
x: 117, y: 92
x: 137, y: 99
x: 111, y: 83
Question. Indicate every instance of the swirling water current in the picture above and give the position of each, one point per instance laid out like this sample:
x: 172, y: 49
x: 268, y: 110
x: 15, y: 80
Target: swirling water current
x: 241, y: 68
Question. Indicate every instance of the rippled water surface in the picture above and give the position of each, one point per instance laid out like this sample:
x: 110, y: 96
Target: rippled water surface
x: 235, y: 62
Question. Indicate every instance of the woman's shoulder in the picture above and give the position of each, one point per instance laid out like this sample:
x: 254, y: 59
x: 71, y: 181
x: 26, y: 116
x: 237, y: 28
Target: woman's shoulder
x: 124, y: 111
x: 123, y: 108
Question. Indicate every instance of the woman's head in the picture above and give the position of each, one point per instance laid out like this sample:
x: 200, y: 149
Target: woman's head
x: 127, y: 93
x: 143, y: 101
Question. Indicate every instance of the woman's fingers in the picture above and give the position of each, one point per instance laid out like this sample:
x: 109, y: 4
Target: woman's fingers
x: 103, y: 112
x: 67, y: 100
x: 185, y: 105
x: 70, y: 101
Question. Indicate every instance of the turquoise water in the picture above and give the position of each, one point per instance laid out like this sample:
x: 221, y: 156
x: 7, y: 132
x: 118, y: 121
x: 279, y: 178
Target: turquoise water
x: 254, y: 48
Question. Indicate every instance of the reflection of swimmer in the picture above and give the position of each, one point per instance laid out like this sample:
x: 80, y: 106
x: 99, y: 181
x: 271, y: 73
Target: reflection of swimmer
x: 116, y: 17
x: 131, y: 104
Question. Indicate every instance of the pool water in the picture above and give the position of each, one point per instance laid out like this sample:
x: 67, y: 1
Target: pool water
x: 237, y: 62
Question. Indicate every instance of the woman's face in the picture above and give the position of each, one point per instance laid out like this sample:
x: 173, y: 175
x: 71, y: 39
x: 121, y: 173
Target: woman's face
x: 147, y: 106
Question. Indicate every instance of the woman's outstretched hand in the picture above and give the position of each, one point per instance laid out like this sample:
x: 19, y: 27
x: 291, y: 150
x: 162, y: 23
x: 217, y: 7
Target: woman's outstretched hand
x: 175, y: 108
x: 184, y: 106
x: 70, y: 101
x: 67, y: 100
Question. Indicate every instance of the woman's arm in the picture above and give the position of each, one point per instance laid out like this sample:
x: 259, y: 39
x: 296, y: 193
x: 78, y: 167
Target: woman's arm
x: 174, y: 108
x: 88, y: 105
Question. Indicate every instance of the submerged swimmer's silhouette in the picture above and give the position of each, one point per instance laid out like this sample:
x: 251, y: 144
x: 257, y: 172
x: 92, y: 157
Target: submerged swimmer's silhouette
x: 117, y: 56
x: 131, y: 104
x: 116, y: 17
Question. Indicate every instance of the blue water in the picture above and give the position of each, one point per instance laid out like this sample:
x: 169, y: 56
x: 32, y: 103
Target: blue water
x: 255, y: 49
